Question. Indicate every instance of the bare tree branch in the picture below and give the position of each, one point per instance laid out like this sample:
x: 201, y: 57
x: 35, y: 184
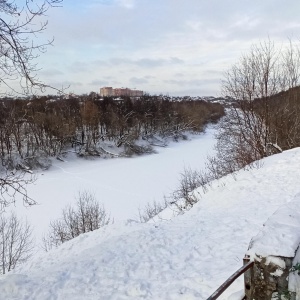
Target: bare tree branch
x: 16, y: 242
x: 19, y: 44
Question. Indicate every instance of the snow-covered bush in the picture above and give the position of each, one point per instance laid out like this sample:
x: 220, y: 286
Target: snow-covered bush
x: 87, y: 216
x: 189, y: 181
x: 184, y: 197
x: 151, y: 210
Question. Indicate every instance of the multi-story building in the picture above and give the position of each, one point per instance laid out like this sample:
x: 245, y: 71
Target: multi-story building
x: 110, y: 92
x: 106, y: 91
x: 122, y: 92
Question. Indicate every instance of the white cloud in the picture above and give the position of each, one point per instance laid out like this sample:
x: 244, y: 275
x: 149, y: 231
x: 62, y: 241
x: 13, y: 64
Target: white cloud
x: 195, y: 25
x: 246, y: 22
x: 135, y: 80
x: 126, y: 3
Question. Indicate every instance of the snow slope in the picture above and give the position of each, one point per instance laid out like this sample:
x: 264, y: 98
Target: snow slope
x: 187, y: 257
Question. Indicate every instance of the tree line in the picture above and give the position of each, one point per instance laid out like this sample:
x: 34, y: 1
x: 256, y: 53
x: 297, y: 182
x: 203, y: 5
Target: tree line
x: 45, y: 127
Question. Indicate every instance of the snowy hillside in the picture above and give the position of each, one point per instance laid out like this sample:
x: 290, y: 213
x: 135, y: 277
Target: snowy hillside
x: 187, y: 257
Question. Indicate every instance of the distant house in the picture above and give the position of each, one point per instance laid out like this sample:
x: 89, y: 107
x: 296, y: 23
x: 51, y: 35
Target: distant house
x: 118, y: 92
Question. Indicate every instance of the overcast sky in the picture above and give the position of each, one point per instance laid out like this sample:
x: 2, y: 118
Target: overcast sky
x: 175, y: 47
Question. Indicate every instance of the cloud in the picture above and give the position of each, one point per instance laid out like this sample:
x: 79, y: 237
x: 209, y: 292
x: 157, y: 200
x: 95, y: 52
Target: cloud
x: 176, y: 60
x: 135, y: 80
x: 99, y: 83
x: 79, y: 67
x: 192, y: 82
x: 246, y: 22
x: 149, y: 77
x: 194, y: 24
x: 147, y: 62
x: 126, y: 3
x: 65, y: 84
x: 178, y: 75
x: 164, y: 46
x: 51, y: 72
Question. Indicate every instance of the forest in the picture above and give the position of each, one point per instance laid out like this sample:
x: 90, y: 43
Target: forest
x: 33, y: 130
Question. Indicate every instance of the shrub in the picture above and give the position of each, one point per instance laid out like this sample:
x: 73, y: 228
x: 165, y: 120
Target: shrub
x: 151, y: 210
x: 87, y: 216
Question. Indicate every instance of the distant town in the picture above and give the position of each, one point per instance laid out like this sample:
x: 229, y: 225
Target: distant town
x: 119, y: 94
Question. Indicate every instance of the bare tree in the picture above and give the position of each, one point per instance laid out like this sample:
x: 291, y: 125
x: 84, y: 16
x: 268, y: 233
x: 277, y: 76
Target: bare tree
x: 253, y: 127
x: 290, y: 69
x: 19, y: 45
x: 20, y: 26
x: 13, y: 183
x: 16, y: 242
x: 87, y: 216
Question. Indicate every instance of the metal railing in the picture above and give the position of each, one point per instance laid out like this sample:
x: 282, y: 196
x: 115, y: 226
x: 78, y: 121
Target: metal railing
x: 230, y: 280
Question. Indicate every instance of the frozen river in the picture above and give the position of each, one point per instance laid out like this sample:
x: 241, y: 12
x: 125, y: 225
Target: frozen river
x: 123, y: 185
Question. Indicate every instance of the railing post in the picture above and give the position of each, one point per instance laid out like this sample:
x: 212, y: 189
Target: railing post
x: 247, y: 278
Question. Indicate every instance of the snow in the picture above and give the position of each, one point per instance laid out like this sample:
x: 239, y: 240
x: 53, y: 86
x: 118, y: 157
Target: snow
x: 186, y: 257
x: 282, y: 228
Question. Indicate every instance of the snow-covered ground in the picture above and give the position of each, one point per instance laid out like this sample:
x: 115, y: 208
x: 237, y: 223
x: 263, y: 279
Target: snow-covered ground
x: 122, y: 185
x: 187, y: 257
